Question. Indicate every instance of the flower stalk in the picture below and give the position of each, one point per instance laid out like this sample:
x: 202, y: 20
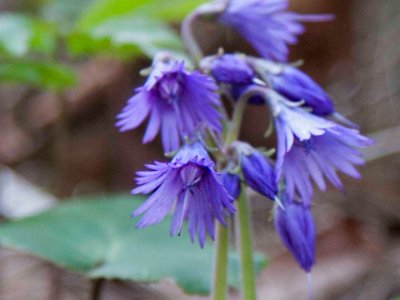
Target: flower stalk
x: 219, y: 287
x: 188, y: 37
x: 238, y: 112
x: 245, y: 248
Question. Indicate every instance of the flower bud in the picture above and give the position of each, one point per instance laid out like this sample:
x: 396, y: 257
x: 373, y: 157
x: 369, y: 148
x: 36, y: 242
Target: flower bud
x: 231, y: 69
x: 259, y: 173
x: 295, y: 227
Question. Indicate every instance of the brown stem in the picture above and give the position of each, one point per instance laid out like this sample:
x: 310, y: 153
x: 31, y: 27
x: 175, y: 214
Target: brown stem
x: 97, y: 288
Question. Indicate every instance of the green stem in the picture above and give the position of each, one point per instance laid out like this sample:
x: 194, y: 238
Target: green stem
x: 245, y: 248
x: 221, y: 251
x: 236, y: 123
x: 220, y: 264
x: 188, y: 37
x: 238, y: 112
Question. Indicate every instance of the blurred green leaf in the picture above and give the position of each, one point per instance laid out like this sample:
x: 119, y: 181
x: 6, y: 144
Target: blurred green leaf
x: 40, y: 74
x: 64, y: 13
x: 171, y: 10
x: 125, y: 36
x: 97, y: 237
x: 20, y: 34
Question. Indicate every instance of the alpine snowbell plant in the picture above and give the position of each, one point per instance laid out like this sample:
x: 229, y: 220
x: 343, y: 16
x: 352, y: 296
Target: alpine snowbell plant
x: 211, y: 169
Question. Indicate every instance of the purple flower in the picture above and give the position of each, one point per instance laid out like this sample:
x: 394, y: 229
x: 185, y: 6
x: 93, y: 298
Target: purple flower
x: 267, y: 25
x: 309, y: 146
x: 295, y: 227
x: 235, y: 75
x: 231, y: 183
x: 231, y: 69
x: 177, y: 101
x: 189, y: 185
x: 294, y: 123
x: 259, y: 173
x: 297, y: 86
x: 322, y: 156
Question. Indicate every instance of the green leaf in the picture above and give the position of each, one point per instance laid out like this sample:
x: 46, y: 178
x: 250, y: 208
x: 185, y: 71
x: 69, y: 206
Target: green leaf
x: 64, y: 13
x: 97, y: 237
x: 125, y: 36
x: 20, y: 34
x: 170, y: 10
x: 40, y: 74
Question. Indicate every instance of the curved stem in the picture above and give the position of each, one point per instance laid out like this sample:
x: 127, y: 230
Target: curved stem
x: 189, y: 40
x: 245, y: 248
x: 237, y: 117
x: 220, y: 264
x: 188, y: 36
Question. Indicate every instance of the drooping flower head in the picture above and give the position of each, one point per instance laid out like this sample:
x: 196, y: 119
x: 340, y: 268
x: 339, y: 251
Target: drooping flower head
x: 309, y: 146
x: 177, y: 101
x: 321, y: 157
x: 298, y: 86
x: 189, y: 185
x: 237, y: 73
x: 293, y: 122
x: 234, y: 75
x: 231, y: 69
x: 267, y: 25
x: 295, y: 227
x: 258, y: 172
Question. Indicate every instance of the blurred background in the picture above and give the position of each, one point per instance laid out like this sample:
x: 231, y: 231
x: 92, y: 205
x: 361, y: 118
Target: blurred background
x: 67, y: 68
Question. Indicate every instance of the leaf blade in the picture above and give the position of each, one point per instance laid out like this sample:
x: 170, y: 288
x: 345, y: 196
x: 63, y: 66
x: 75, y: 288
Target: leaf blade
x: 108, y: 246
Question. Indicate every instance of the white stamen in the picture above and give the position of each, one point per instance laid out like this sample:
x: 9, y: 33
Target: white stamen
x: 278, y: 201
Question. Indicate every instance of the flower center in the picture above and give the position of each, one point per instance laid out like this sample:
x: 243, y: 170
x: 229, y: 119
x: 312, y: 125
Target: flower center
x: 191, y: 174
x: 169, y: 88
x: 307, y: 145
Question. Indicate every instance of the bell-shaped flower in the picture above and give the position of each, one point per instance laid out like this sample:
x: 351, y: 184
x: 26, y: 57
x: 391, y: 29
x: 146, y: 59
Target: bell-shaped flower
x: 189, y: 186
x: 295, y: 227
x: 297, y: 86
x: 267, y: 25
x: 178, y: 102
x: 311, y: 148
x: 259, y: 173
x: 321, y: 157
x: 231, y: 69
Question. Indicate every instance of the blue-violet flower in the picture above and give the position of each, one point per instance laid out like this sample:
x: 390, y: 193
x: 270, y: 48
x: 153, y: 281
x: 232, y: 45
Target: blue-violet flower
x: 231, y: 69
x: 178, y: 101
x: 259, y: 173
x: 267, y: 25
x: 189, y: 185
x: 295, y: 227
x: 321, y: 156
x: 298, y: 86
x: 235, y: 76
x: 309, y: 146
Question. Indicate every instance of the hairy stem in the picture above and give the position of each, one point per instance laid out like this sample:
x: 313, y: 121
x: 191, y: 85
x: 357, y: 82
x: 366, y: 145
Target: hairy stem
x: 245, y: 248
x: 220, y: 264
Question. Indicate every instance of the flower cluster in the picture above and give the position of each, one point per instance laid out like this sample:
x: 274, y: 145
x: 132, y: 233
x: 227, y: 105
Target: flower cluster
x: 201, y: 185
